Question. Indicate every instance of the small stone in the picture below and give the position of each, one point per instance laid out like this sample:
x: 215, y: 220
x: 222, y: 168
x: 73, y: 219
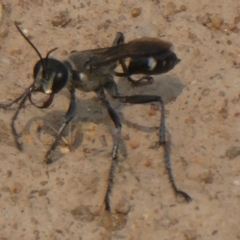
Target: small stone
x: 136, y: 12
x: 5, y: 60
x: 183, y: 8
x: 206, y: 178
x: 43, y: 183
x: 34, y: 220
x: 235, y: 29
x: 65, y: 149
x: 113, y: 222
x: 64, y: 53
x: 171, y: 8
x: 122, y: 18
x: 36, y: 173
x: 236, y: 183
x: 61, y: 19
x: 233, y: 152
x: 123, y: 207
x: 237, y: 20
x: 43, y: 192
x: 205, y: 20
x: 17, y: 188
x: 151, y: 112
x: 9, y: 173
x: 192, y: 36
x: 134, y: 144
x: 190, y: 234
x: 205, y: 92
x: 148, y: 163
x: 237, y: 115
x: 82, y: 213
x: 217, y: 22
x: 223, y: 113
x: 229, y: 42
x: 206, y: 118
x: 4, y: 32
x: 125, y: 137
x: 190, y: 120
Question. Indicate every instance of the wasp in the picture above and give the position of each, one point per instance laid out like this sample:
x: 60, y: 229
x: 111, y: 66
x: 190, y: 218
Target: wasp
x: 94, y: 70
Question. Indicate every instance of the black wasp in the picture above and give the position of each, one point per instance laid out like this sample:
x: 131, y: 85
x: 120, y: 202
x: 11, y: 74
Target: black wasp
x: 94, y: 70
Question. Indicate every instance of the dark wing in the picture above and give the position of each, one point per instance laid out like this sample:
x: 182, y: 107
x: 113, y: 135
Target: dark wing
x: 142, y: 47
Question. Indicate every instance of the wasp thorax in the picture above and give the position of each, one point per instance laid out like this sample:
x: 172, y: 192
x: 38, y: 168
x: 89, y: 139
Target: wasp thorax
x: 50, y: 76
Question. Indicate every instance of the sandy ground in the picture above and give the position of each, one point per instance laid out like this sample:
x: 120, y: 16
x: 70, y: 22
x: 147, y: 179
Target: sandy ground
x: 65, y: 200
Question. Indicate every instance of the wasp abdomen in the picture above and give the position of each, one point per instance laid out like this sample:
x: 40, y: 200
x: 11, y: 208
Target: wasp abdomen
x: 152, y: 65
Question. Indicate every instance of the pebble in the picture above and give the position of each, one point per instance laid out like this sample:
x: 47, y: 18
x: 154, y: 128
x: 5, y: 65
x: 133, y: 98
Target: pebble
x: 236, y: 182
x: 61, y: 19
x: 82, y: 213
x: 123, y: 207
x: 233, y: 152
x: 136, y: 12
x: 5, y: 60
x: 4, y: 32
x: 190, y: 234
x: 113, y: 222
x: 217, y: 22
x: 134, y: 144
x: 17, y: 188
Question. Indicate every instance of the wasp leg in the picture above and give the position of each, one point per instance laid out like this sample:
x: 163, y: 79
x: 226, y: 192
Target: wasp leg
x: 145, y: 80
x: 116, y: 120
x: 119, y: 39
x: 141, y: 99
x: 71, y: 112
x: 23, y: 99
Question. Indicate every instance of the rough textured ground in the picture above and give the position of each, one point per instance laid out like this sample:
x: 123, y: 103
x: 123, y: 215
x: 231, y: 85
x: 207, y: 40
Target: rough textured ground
x: 65, y: 200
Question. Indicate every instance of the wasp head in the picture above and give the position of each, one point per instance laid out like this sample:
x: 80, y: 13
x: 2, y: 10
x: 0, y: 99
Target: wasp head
x: 50, y: 76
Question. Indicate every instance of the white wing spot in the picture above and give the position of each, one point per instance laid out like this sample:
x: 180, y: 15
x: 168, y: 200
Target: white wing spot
x: 151, y: 63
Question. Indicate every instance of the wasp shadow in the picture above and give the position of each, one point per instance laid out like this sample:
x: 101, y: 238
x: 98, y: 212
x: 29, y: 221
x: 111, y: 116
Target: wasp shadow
x: 168, y: 87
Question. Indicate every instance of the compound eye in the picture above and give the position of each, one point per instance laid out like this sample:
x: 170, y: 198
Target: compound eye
x: 61, y: 78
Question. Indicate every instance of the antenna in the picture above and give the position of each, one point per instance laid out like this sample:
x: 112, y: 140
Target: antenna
x: 44, y: 64
x: 27, y: 39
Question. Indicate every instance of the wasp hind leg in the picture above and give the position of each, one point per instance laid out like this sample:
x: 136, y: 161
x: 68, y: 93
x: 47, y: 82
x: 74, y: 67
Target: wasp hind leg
x: 142, y: 99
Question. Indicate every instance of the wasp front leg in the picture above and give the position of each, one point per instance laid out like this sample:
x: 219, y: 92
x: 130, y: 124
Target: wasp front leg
x: 71, y: 112
x: 21, y: 102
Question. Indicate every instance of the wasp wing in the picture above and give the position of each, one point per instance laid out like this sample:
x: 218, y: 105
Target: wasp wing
x: 142, y: 47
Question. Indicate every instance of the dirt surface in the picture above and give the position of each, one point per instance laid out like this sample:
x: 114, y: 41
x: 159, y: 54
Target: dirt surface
x: 65, y: 200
